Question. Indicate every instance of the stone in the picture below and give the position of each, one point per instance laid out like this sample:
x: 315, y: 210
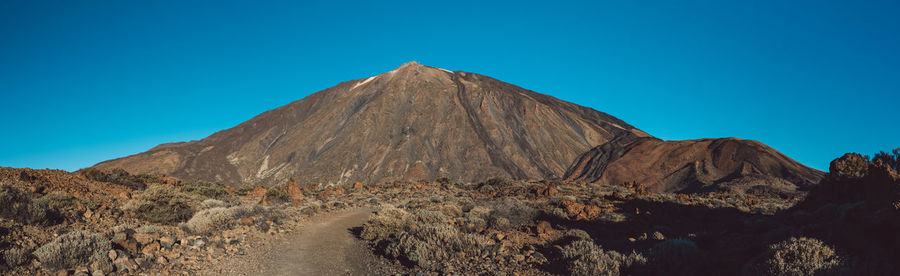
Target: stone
x: 128, y: 245
x: 150, y: 249
x: 146, y: 238
x: 658, y: 236
x: 543, y: 228
x: 125, y: 264
x: 166, y: 242
x: 98, y: 273
x: 113, y: 255
x: 161, y: 260
x: 62, y: 273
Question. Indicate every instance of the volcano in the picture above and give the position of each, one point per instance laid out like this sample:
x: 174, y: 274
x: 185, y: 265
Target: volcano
x: 414, y: 122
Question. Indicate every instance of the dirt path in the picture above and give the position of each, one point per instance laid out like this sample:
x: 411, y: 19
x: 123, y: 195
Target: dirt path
x: 324, y: 246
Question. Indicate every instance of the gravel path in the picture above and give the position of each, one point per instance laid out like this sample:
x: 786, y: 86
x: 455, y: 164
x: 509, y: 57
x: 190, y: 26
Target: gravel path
x: 323, y: 246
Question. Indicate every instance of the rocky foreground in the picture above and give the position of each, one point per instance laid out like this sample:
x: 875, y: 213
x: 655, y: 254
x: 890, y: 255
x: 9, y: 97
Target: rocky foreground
x: 113, y: 223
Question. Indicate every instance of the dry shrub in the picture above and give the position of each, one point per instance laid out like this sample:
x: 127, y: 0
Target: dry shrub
x: 73, y: 249
x: 387, y: 220
x: 515, y: 213
x: 221, y: 218
x: 206, y: 190
x: 161, y: 204
x: 17, y: 206
x: 117, y: 176
x: 803, y: 256
x: 276, y: 195
x: 212, y: 203
x: 428, y: 246
x: 16, y: 256
x: 676, y: 257
x: 583, y: 257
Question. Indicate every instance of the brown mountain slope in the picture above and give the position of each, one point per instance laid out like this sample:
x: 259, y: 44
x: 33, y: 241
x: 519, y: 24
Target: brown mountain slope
x: 704, y: 165
x: 415, y: 122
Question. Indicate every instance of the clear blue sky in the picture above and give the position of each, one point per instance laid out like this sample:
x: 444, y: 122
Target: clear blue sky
x: 86, y: 81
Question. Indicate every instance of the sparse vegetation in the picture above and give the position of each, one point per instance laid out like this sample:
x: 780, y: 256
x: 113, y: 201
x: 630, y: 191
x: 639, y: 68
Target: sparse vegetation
x: 162, y: 204
x: 206, y: 190
x: 221, y: 218
x: 276, y: 195
x: 799, y: 257
x: 18, y: 206
x: 117, y: 176
x: 73, y: 249
x: 583, y: 257
x: 57, y: 199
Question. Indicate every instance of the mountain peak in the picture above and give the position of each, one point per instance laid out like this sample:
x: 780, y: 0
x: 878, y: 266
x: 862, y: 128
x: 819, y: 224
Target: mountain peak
x: 414, y: 122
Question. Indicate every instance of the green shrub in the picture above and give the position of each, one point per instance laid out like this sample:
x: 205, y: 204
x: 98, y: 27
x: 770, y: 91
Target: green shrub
x: 73, y: 249
x: 57, y: 199
x: 892, y: 159
x: 161, y: 204
x: 116, y: 176
x: 17, y: 206
x: 243, y: 190
x: 803, y: 256
x: 147, y: 178
x: 276, y: 195
x: 206, y: 190
x: 849, y: 166
x: 583, y: 257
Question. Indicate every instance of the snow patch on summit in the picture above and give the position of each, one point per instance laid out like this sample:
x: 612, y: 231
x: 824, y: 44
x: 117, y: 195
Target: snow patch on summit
x: 363, y: 82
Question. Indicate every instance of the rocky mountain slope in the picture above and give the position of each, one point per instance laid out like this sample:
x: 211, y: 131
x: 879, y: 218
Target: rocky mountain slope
x: 704, y: 165
x: 415, y: 122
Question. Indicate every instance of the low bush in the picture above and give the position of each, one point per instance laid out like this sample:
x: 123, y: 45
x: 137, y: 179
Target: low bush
x: 514, y: 212
x: 212, y: 203
x: 276, y: 195
x: 243, y: 190
x: 149, y: 228
x: 161, y: 204
x: 57, y: 199
x: 116, y: 176
x: 206, y: 190
x: 73, y: 249
x: 430, y: 245
x: 676, y: 257
x: 17, y: 206
x: 16, y: 256
x: 220, y: 218
x: 583, y: 257
x: 387, y: 221
x: 803, y: 256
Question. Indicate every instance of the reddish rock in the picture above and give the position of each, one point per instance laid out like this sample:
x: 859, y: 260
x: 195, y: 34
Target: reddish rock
x: 544, y: 228
x: 726, y: 164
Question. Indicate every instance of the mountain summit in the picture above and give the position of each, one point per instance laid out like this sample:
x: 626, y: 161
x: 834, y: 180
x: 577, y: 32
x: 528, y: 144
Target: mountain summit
x: 414, y: 122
